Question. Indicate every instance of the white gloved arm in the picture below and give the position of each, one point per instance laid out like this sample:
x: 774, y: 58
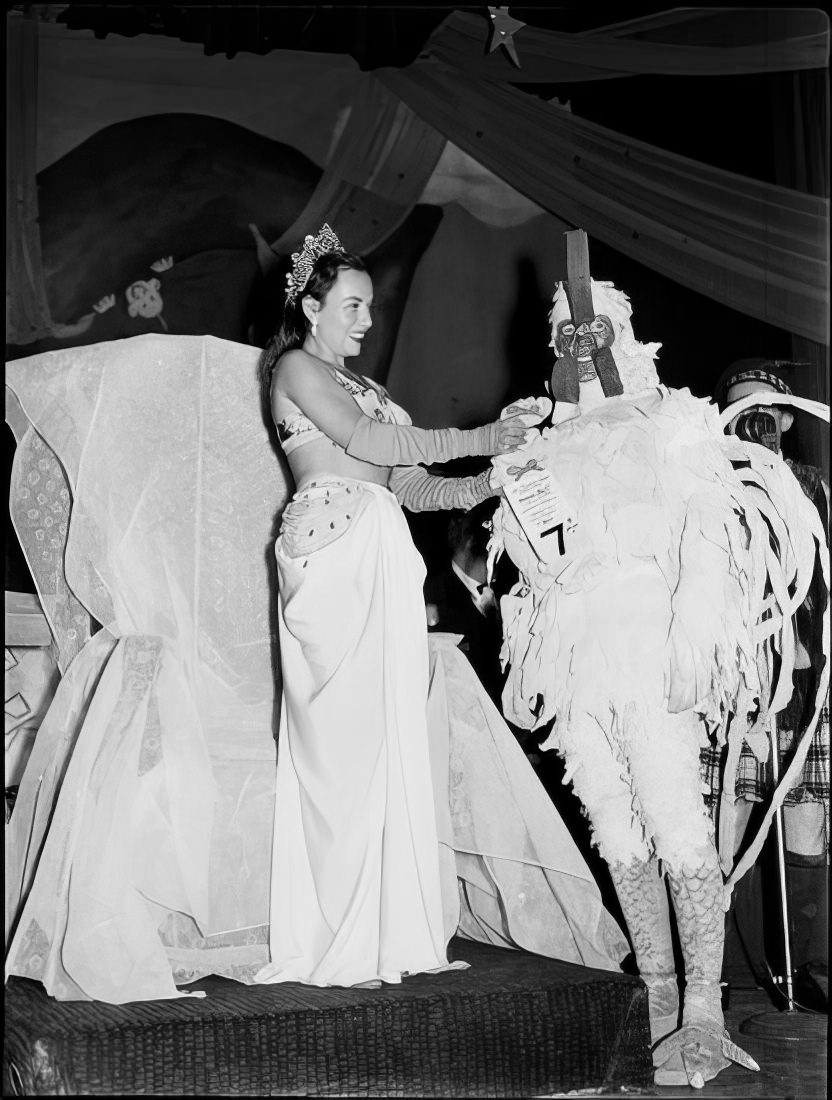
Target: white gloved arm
x: 420, y: 491
x: 404, y: 445
x: 311, y: 387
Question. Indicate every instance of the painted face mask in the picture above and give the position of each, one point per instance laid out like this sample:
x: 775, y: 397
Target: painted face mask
x: 583, y: 342
x: 604, y: 347
x: 759, y: 426
x: 763, y: 424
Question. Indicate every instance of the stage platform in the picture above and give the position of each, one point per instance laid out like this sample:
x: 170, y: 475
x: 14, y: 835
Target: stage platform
x: 514, y: 1024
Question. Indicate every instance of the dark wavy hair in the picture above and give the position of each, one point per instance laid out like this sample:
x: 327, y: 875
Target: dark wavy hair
x: 294, y: 326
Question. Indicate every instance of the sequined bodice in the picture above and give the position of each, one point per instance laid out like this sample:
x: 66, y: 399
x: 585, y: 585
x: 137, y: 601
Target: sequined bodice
x: 295, y: 428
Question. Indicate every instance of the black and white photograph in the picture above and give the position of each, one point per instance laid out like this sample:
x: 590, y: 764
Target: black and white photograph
x: 417, y: 576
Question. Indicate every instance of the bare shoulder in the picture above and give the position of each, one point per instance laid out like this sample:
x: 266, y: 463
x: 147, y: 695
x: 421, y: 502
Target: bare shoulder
x: 296, y: 369
x: 292, y: 363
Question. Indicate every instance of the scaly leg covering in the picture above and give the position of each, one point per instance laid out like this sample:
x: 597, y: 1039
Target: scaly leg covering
x: 698, y: 893
x: 701, y: 1048
x: 643, y: 899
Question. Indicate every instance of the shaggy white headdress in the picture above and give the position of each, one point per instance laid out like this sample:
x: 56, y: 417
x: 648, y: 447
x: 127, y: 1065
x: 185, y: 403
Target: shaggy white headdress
x: 635, y: 361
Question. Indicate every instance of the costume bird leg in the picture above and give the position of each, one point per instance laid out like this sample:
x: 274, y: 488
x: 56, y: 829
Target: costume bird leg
x: 644, y: 903
x: 701, y: 1048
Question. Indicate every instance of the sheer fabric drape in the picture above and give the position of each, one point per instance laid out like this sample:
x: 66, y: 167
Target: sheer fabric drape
x: 158, y: 743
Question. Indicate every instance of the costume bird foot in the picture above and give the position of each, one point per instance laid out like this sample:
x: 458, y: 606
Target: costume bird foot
x: 662, y: 1026
x: 663, y: 994
x: 695, y: 1054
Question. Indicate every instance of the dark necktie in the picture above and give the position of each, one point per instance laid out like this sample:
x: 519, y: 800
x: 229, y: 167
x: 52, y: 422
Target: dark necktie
x: 487, y: 606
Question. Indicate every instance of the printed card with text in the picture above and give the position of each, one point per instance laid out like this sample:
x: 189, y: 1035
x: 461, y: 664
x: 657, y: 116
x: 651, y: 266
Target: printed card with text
x: 546, y: 516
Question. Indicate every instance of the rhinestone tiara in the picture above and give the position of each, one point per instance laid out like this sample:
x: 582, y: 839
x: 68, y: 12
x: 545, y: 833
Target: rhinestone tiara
x: 302, y: 262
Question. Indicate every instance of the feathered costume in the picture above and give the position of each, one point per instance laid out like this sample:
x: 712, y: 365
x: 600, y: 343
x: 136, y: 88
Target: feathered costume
x: 662, y: 610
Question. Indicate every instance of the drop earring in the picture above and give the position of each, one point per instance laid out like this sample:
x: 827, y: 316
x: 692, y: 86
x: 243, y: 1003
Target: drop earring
x: 313, y: 324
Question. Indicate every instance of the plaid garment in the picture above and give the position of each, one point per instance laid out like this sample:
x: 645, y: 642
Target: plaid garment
x: 755, y: 780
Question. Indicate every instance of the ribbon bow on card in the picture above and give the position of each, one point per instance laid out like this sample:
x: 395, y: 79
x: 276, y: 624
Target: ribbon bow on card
x: 517, y: 471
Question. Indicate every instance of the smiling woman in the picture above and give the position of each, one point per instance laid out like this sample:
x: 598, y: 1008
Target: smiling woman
x: 356, y: 893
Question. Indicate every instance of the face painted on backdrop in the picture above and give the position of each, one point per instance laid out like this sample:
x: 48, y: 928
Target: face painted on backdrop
x: 344, y: 316
x: 582, y: 341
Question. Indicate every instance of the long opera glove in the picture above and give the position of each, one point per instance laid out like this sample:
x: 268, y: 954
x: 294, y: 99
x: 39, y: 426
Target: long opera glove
x: 419, y: 491
x: 404, y: 445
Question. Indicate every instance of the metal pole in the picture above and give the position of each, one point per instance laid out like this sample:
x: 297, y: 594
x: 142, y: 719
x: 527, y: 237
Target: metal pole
x: 781, y: 866
x: 792, y: 1025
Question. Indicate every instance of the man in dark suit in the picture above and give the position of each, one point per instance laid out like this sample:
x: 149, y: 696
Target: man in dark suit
x: 459, y: 599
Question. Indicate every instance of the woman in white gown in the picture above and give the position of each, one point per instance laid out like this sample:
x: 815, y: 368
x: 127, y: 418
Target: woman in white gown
x: 355, y: 894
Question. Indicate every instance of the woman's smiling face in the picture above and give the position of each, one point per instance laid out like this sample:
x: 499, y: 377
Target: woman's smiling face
x: 344, y: 314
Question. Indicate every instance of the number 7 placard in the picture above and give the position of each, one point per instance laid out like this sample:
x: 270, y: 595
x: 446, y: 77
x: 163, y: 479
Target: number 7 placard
x: 547, y: 518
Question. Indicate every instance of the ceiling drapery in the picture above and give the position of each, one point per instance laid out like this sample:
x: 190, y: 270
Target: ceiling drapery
x: 381, y: 163
x: 758, y: 248
x: 548, y: 56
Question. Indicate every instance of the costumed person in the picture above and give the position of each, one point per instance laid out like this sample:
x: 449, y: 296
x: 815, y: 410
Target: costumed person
x: 635, y: 625
x: 806, y: 805
x: 356, y: 886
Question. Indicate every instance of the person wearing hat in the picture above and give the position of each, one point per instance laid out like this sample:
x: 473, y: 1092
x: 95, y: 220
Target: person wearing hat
x: 763, y: 424
x: 806, y: 807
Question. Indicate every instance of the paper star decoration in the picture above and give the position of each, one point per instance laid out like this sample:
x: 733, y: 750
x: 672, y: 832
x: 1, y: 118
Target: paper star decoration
x: 503, y: 29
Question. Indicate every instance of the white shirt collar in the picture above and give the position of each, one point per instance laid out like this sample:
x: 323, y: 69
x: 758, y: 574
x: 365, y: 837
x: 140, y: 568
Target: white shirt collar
x: 469, y: 582
x: 484, y: 601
